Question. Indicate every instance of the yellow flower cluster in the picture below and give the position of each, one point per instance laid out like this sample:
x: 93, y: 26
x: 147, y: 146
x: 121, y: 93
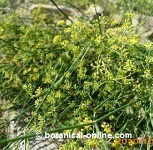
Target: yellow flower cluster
x: 107, y: 127
x: 116, y: 143
x: 84, y: 105
x: 61, y: 22
x: 148, y: 44
x: 57, y: 39
x: 134, y: 40
x: 129, y: 65
x: 115, y: 47
x: 92, y: 143
x: 98, y: 40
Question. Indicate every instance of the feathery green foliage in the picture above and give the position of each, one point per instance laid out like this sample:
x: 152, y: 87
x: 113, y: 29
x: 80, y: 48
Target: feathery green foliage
x: 77, y: 73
